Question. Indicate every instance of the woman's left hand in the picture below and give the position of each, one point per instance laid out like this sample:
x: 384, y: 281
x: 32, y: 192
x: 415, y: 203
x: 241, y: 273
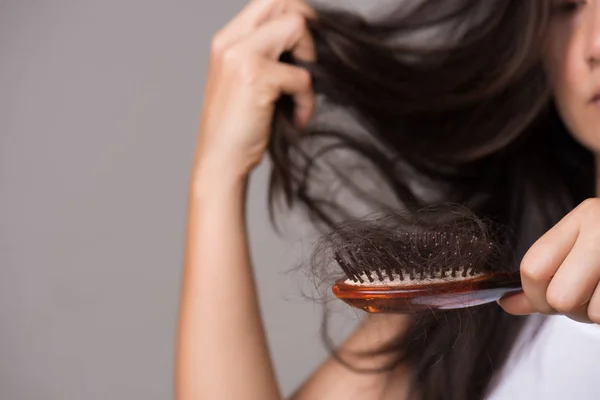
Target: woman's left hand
x: 561, y: 271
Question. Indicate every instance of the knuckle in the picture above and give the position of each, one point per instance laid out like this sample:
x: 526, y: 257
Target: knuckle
x: 296, y: 21
x: 590, y: 216
x: 217, y: 43
x: 559, y: 301
x: 532, y: 264
x: 231, y: 56
x: 242, y: 67
x: 249, y: 70
x: 590, y: 205
x: 269, y: 4
x: 297, y: 25
x: 273, y: 2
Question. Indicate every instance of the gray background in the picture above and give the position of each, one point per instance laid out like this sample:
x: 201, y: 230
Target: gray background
x: 99, y: 104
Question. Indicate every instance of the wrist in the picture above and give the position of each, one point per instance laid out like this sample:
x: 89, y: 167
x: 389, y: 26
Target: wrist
x: 218, y: 179
x: 221, y: 162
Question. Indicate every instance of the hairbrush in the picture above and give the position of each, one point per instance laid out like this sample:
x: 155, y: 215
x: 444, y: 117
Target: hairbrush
x: 414, y: 271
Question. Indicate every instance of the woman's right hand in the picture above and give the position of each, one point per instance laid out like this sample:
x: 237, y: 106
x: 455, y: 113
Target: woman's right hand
x: 245, y: 79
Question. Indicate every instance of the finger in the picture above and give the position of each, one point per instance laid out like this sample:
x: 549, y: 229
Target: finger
x: 246, y: 21
x: 593, y: 308
x: 295, y: 81
x: 542, y: 260
x: 254, y: 15
x: 579, y: 314
x: 574, y: 283
x: 517, y: 304
x: 286, y: 33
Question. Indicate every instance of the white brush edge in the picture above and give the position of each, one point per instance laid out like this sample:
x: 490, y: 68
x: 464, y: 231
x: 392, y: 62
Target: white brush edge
x: 407, y: 281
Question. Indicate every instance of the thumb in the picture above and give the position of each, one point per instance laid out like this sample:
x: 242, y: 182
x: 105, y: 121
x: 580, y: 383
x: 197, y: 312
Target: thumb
x: 516, y: 304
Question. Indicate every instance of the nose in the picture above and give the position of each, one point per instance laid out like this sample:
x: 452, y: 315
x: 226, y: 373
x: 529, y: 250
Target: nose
x: 594, y: 35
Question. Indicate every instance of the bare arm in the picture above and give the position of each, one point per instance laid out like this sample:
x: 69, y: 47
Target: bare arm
x: 221, y: 350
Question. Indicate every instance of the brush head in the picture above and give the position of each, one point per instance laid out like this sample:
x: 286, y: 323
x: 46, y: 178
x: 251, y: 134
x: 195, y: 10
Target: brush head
x: 414, y: 256
x: 439, y: 258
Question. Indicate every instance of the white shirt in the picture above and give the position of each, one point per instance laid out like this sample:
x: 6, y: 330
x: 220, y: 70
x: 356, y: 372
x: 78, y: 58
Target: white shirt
x: 561, y: 363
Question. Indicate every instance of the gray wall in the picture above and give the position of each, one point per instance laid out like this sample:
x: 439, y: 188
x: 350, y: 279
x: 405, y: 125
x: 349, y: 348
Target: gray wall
x: 99, y: 104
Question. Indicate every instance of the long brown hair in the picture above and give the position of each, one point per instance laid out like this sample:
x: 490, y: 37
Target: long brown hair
x: 468, y: 119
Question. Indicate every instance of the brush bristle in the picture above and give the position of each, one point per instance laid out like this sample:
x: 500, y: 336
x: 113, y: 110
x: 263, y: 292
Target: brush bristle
x: 400, y: 279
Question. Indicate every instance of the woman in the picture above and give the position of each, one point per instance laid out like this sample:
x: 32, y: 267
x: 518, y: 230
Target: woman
x: 502, y: 115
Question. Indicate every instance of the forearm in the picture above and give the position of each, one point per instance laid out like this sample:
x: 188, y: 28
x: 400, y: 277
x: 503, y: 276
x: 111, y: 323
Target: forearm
x: 221, y: 351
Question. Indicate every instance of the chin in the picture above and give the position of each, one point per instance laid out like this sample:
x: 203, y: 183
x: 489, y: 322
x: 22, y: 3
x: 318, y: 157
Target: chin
x: 586, y: 129
x: 590, y: 140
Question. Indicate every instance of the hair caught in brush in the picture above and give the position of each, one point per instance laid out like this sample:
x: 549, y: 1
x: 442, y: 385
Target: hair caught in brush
x: 425, y: 242
x: 430, y: 242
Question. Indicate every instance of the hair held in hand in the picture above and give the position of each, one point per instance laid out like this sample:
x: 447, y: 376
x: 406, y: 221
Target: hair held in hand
x: 464, y: 117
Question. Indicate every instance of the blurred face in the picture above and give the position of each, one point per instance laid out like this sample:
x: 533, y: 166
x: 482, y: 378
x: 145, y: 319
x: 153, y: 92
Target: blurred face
x: 572, y: 59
